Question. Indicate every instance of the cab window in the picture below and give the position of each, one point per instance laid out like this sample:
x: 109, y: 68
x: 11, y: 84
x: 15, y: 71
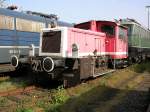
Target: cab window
x: 122, y: 33
x: 108, y: 29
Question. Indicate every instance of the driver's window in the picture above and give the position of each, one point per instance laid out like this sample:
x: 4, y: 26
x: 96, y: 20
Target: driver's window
x: 108, y: 29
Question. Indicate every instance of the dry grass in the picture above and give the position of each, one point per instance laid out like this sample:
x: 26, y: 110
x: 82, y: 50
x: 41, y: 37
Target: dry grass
x: 108, y: 91
x: 8, y: 83
x: 98, y: 95
x: 114, y: 80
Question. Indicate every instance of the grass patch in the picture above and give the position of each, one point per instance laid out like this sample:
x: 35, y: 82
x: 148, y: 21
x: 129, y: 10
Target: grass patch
x: 52, y: 101
x: 24, y: 110
x: 142, y: 67
x: 14, y: 83
x: 3, y: 101
x: 59, y: 95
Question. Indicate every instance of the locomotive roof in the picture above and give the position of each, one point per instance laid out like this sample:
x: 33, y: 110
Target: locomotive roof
x: 24, y: 15
x: 132, y: 21
x: 113, y: 22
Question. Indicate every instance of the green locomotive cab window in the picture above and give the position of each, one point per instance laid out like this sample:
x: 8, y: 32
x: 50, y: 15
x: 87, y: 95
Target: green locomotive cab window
x: 129, y: 29
x: 122, y: 33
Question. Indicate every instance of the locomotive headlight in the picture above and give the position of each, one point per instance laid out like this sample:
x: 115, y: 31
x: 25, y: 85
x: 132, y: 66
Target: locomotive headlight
x: 48, y: 64
x: 14, y: 61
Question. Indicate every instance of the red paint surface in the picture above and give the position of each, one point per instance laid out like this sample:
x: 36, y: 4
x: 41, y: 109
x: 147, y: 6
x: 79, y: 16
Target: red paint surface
x: 114, y: 46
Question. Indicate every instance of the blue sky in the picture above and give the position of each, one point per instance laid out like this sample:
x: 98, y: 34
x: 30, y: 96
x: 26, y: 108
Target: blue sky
x: 75, y: 11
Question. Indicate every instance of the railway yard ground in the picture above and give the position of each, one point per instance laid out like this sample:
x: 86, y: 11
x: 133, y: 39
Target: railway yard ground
x: 125, y: 90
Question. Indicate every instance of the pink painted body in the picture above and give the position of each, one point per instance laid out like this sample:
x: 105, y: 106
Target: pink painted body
x: 87, y: 41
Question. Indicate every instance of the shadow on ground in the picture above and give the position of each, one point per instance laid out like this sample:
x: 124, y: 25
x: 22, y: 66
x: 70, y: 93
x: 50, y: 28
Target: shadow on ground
x: 106, y: 99
x: 27, y: 78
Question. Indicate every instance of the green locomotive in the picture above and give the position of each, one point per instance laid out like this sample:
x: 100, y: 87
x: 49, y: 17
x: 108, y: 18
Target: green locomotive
x: 138, y: 40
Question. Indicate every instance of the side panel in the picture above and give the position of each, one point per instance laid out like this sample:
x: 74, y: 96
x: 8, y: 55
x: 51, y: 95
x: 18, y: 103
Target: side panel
x: 87, y: 66
x: 121, y: 43
x: 7, y: 51
x: 88, y: 42
x: 16, y: 43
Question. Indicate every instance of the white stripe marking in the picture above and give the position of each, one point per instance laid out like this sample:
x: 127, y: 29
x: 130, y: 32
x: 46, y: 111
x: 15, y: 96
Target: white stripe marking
x: 16, y: 47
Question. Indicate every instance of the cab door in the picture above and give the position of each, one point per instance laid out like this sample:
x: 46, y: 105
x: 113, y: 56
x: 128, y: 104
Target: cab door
x: 97, y: 45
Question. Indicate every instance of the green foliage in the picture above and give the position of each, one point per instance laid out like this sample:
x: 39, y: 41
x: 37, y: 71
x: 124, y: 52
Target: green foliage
x: 139, y: 68
x: 3, y: 101
x: 103, y: 82
x: 53, y: 108
x: 23, y: 110
x: 53, y: 102
x: 59, y: 96
x: 40, y: 104
x: 142, y: 67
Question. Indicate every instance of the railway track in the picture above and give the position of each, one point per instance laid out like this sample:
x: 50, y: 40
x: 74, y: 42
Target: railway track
x: 17, y: 91
x: 6, y: 68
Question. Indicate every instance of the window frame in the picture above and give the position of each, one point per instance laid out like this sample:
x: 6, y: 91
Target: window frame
x: 35, y: 26
x: 7, y: 22
x: 111, y: 34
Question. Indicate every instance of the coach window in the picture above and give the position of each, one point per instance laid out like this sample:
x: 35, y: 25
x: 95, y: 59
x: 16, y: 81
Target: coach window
x: 28, y: 25
x: 6, y: 22
x: 108, y: 29
x: 122, y: 33
x: 37, y: 26
x: 129, y: 29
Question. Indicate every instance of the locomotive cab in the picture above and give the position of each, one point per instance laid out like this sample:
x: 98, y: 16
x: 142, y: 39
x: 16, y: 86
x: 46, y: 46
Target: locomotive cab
x: 116, y: 41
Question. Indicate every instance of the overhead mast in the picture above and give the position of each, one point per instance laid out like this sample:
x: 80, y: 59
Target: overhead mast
x: 148, y: 15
